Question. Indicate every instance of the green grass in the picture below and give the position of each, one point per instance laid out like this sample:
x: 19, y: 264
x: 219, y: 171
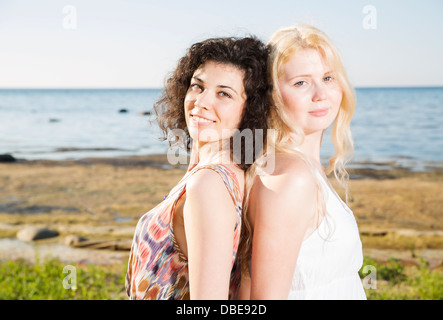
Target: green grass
x: 397, y: 281
x: 20, y: 280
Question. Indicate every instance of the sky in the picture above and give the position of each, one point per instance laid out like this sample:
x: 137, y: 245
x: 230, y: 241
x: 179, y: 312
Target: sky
x: 137, y: 43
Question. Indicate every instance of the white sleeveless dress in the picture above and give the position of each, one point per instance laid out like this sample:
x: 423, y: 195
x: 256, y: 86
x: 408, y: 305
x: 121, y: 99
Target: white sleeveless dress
x: 330, y: 258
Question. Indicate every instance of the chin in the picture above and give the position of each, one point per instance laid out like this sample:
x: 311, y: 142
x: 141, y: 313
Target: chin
x: 315, y: 129
x: 205, y: 137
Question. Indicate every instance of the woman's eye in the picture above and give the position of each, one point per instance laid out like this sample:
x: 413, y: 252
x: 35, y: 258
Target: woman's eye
x: 224, y: 94
x: 299, y: 84
x: 196, y: 87
x: 328, y: 78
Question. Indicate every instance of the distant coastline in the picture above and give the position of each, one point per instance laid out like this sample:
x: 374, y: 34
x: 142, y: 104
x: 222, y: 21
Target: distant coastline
x: 160, y: 88
x: 392, y: 126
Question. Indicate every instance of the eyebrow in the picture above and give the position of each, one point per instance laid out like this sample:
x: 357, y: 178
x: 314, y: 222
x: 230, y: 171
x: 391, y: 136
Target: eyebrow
x: 198, y: 79
x: 308, y: 75
x: 219, y: 86
x: 228, y: 87
x: 301, y: 76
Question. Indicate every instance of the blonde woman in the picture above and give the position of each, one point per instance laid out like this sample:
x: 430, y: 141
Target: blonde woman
x: 301, y: 239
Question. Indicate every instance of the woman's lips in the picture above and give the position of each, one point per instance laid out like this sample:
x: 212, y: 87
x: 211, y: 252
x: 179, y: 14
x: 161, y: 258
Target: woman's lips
x: 200, y: 121
x: 319, y: 112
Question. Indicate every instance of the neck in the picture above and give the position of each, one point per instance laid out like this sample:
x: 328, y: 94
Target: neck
x: 311, y: 146
x: 209, y: 153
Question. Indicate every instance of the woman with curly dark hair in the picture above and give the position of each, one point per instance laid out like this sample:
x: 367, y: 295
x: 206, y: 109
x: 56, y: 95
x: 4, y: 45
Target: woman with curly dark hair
x: 185, y: 248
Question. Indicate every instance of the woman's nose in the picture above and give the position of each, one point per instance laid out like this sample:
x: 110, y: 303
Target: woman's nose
x: 319, y: 93
x: 203, y: 100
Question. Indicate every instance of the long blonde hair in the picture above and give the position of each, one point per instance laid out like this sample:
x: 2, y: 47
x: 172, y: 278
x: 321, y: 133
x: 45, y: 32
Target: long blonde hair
x: 283, y: 45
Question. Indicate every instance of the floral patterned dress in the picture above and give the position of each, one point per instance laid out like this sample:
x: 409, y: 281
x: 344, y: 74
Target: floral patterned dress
x: 157, y: 269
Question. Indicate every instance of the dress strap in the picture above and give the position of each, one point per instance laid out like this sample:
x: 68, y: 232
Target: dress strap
x: 229, y: 178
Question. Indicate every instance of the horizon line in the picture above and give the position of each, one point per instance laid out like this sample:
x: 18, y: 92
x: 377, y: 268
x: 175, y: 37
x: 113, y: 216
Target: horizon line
x: 160, y: 88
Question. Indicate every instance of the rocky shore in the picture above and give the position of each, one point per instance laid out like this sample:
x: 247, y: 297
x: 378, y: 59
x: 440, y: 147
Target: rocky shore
x: 85, y: 211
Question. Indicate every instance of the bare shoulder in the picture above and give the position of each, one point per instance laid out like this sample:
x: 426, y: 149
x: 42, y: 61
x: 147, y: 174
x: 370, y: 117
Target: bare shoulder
x: 287, y: 194
x: 207, y: 180
x: 204, y: 181
x: 206, y: 192
x: 290, y: 173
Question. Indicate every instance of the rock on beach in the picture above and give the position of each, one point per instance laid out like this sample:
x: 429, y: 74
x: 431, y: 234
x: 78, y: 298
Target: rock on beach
x: 73, y: 240
x: 35, y: 233
x: 7, y: 158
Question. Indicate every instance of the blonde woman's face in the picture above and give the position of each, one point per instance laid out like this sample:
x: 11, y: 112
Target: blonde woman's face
x: 310, y: 93
x: 214, y: 102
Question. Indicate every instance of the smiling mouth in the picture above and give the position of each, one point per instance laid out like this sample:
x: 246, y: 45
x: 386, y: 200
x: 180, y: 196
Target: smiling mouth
x: 201, y: 120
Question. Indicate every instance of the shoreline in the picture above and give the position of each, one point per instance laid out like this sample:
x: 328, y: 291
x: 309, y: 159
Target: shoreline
x: 357, y: 170
x: 397, y: 210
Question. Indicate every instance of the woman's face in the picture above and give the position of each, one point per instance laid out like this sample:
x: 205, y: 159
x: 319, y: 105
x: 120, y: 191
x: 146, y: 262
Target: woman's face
x: 214, y: 102
x: 310, y: 93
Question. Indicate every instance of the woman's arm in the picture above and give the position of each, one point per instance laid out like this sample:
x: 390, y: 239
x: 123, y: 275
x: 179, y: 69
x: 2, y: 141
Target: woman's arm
x: 209, y: 217
x: 282, y: 207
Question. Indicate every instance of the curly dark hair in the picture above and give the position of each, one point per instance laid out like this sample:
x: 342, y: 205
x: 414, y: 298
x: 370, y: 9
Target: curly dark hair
x: 247, y: 54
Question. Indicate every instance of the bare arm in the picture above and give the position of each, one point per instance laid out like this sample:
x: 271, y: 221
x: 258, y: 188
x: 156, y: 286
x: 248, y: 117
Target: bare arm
x: 283, y: 208
x: 209, y: 217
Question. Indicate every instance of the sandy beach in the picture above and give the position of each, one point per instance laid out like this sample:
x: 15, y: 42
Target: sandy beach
x: 398, y: 211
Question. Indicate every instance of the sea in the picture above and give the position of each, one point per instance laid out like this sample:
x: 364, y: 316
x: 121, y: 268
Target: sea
x: 391, y: 126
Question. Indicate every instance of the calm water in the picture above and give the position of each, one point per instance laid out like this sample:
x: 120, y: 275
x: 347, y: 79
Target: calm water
x: 398, y: 125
